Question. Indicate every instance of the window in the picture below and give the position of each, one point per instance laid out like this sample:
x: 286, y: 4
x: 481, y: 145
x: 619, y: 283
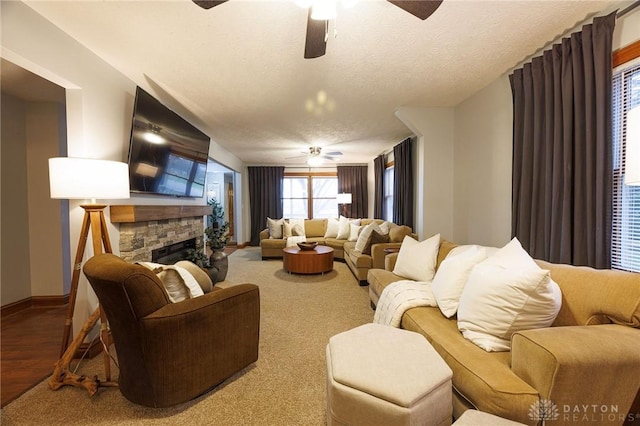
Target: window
x: 388, y: 193
x: 309, y: 196
x: 625, y: 238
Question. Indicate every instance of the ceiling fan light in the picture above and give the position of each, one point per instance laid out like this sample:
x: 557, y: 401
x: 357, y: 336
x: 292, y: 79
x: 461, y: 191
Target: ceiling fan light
x: 315, y: 161
x: 323, y: 10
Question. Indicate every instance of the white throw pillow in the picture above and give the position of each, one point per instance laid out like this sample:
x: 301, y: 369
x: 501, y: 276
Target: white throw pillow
x: 287, y: 230
x: 385, y: 227
x: 333, y: 226
x: 365, y: 233
x: 344, y: 228
x: 417, y: 260
x: 452, y: 275
x: 297, y: 227
x: 275, y: 227
x: 504, y: 294
x: 178, y: 282
x: 354, y: 232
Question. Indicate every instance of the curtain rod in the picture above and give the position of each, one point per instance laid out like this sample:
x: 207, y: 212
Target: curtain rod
x: 628, y: 9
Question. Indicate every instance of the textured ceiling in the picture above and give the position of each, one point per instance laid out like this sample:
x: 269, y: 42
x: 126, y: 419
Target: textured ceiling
x: 239, y: 68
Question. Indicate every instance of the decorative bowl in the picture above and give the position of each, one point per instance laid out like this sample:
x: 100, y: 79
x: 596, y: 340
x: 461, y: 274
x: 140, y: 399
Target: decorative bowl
x: 307, y: 246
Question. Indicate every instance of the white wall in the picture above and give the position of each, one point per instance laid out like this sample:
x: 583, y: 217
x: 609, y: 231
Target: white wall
x: 433, y: 171
x: 482, y: 183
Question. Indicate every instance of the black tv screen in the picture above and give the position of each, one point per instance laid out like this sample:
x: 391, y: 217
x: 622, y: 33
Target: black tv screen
x: 167, y: 155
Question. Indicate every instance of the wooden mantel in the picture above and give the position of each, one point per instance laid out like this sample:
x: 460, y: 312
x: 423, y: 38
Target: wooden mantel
x: 130, y: 214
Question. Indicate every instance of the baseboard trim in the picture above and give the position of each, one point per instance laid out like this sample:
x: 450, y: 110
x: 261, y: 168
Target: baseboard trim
x: 33, y: 302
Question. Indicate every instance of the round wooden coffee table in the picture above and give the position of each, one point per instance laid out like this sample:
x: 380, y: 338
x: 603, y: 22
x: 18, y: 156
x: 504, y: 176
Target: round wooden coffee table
x: 316, y: 261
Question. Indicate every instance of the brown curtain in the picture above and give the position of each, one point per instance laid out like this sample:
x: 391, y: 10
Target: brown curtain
x: 353, y: 180
x: 378, y: 200
x: 562, y: 184
x: 403, y: 183
x: 265, y: 198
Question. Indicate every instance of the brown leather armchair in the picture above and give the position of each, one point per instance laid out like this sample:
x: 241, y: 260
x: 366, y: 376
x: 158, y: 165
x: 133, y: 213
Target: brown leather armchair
x: 169, y: 353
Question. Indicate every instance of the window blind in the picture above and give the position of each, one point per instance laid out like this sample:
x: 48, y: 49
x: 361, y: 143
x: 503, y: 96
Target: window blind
x: 625, y: 238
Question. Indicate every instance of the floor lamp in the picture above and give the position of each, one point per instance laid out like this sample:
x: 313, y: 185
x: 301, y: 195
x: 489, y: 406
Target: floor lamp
x: 81, y: 178
x: 345, y: 200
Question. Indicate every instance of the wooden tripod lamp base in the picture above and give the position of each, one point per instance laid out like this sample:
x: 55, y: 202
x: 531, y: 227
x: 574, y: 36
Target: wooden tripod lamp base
x: 93, y: 220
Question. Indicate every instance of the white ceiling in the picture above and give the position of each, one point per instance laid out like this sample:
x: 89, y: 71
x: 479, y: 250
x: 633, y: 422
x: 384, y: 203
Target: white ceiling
x: 239, y: 68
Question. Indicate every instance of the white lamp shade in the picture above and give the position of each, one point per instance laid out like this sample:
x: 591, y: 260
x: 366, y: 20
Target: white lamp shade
x: 343, y: 198
x: 632, y: 153
x: 83, y: 178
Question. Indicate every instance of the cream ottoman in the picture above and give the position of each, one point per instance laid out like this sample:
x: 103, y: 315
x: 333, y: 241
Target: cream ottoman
x: 380, y: 375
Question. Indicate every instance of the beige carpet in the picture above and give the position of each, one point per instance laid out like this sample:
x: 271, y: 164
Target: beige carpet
x: 285, y: 387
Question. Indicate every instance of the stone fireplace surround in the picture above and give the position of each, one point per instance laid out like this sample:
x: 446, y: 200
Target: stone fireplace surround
x: 145, y: 228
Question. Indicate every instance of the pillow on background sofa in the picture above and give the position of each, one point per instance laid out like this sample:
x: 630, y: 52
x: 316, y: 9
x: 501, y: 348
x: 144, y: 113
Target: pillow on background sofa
x: 354, y: 232
x: 333, y: 226
x: 506, y: 293
x: 374, y: 238
x: 275, y: 227
x: 417, y: 260
x: 452, y: 275
x: 344, y: 229
x: 365, y: 233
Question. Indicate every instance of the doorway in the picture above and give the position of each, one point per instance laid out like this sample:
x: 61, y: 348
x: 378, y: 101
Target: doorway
x: 221, y: 187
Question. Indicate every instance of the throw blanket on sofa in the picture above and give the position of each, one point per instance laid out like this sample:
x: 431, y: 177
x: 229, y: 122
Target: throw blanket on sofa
x: 400, y: 296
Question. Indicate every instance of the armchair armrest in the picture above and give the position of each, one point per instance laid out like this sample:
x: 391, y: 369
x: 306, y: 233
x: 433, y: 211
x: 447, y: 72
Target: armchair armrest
x: 580, y: 366
x: 264, y: 234
x: 378, y: 253
x: 390, y: 261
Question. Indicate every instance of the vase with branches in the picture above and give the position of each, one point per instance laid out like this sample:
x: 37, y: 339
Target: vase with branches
x: 217, y: 237
x: 218, y: 230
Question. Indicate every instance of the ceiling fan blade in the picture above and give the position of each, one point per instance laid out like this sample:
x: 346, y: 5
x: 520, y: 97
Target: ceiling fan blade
x: 334, y: 153
x: 316, y: 42
x: 419, y: 8
x: 208, y: 4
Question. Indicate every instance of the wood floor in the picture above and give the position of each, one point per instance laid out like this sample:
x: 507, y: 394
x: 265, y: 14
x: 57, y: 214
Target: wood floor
x: 30, y: 345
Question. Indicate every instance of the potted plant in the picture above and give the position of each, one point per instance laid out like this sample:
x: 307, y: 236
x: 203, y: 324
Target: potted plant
x: 217, y: 237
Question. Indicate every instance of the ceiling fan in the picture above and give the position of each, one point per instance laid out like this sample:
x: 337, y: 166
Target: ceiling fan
x: 315, y: 157
x: 317, y: 27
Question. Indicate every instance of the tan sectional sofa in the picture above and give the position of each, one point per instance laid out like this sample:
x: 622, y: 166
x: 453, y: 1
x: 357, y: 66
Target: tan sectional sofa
x: 586, y: 366
x: 358, y: 262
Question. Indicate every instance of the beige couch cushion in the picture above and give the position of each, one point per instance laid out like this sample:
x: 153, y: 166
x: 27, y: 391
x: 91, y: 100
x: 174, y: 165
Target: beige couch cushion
x: 315, y: 227
x: 397, y: 233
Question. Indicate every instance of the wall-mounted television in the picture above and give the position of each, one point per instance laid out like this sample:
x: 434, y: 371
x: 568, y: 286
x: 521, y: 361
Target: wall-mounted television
x: 167, y: 155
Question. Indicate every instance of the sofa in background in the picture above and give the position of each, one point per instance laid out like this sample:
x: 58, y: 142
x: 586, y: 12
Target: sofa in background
x: 589, y: 356
x: 359, y: 263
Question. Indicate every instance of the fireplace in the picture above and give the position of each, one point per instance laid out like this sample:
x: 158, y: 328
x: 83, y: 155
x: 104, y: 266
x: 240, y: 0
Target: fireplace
x: 145, y: 229
x: 172, y: 253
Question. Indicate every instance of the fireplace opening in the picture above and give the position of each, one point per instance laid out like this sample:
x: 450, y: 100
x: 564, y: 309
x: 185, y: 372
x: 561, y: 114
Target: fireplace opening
x: 168, y: 255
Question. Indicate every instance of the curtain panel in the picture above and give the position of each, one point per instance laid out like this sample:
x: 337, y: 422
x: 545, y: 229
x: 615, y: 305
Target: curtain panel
x: 561, y: 181
x: 265, y: 198
x: 378, y: 199
x: 403, y: 183
x: 353, y: 180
